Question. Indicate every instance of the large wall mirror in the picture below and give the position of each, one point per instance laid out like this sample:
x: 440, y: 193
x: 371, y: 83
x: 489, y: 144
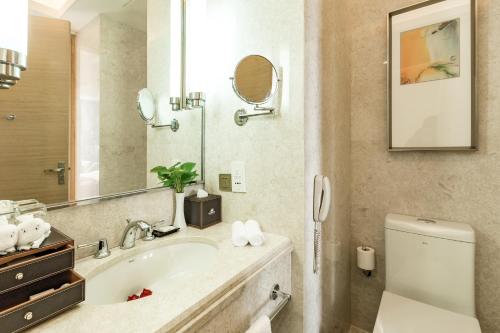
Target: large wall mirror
x: 69, y: 129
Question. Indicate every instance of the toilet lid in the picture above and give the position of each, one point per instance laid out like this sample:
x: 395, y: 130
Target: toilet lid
x: 402, y: 315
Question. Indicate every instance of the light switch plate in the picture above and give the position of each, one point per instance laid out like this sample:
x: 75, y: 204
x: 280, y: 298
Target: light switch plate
x: 238, y: 177
x: 225, y: 183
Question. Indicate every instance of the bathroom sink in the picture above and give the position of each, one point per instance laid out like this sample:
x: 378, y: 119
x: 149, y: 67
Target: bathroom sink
x: 156, y: 269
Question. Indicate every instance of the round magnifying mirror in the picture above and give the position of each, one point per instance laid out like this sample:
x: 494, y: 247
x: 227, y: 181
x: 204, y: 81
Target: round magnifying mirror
x: 146, y: 104
x: 255, y: 79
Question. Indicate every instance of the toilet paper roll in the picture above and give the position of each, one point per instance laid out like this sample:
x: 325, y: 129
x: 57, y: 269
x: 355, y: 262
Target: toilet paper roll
x: 366, y: 258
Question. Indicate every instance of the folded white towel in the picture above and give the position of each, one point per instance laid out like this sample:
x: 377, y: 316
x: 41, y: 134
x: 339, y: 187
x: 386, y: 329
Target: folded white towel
x: 262, y: 325
x: 8, y: 238
x: 32, y: 232
x: 239, y: 237
x: 254, y: 233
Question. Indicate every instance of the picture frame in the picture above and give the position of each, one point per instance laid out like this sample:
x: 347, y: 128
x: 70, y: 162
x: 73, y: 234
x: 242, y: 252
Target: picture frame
x: 431, y: 72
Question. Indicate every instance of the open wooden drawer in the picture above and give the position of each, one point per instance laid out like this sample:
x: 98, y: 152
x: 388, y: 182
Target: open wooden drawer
x: 18, y: 312
x: 18, y: 269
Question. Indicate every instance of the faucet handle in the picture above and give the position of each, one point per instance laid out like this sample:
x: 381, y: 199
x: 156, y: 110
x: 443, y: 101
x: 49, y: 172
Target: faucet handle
x: 149, y: 232
x: 102, y: 248
x: 144, y: 226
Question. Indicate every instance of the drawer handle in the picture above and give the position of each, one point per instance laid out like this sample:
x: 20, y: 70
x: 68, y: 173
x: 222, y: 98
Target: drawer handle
x: 211, y: 212
x: 28, y: 316
x: 19, y: 276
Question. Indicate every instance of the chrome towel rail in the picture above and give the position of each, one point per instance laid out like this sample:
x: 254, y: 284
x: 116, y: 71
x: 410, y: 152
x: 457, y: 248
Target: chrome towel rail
x: 274, y: 295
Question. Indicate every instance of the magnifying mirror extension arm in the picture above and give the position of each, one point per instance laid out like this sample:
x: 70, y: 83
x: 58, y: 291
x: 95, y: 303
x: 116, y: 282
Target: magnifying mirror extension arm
x: 146, y: 106
x: 255, y: 82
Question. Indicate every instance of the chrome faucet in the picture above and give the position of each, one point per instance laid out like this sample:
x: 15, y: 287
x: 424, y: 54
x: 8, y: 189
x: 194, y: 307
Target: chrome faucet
x: 129, y: 235
x: 102, y: 248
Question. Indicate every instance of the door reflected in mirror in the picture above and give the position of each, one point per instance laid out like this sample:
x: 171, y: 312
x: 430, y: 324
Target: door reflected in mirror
x: 70, y: 130
x: 255, y: 79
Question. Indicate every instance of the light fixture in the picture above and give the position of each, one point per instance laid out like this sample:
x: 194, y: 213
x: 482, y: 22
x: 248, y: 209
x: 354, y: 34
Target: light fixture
x: 13, y: 41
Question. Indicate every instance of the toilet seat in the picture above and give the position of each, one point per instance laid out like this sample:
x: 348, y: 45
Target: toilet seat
x: 399, y: 314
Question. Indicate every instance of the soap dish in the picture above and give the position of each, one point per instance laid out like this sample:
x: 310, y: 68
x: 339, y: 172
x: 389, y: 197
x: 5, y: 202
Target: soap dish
x: 164, y: 230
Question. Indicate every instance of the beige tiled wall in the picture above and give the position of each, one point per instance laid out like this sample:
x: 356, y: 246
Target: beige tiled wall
x: 456, y: 186
x: 327, y: 123
x: 123, y: 145
x: 249, y: 301
x: 272, y: 148
x: 107, y: 219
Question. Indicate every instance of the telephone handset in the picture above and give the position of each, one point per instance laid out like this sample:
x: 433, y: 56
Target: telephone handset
x: 321, y: 207
x: 322, y: 198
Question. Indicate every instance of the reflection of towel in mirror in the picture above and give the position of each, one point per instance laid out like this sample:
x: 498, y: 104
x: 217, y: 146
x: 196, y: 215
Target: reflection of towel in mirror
x: 32, y: 232
x: 6, y: 207
x: 3, y: 220
x: 8, y: 238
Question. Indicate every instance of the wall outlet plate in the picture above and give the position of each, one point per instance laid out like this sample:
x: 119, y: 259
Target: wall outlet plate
x: 225, y: 182
x: 238, y: 177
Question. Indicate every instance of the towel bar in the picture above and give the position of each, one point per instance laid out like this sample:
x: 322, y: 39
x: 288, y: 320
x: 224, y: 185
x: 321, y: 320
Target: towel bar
x: 273, y: 295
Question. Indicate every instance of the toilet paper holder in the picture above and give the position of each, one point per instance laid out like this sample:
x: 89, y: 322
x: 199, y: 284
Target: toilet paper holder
x: 366, y: 259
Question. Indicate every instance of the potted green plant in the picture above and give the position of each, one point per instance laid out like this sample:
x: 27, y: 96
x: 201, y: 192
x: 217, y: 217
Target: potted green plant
x: 177, y: 177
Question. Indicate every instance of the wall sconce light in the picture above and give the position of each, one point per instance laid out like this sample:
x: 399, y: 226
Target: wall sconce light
x: 13, y: 41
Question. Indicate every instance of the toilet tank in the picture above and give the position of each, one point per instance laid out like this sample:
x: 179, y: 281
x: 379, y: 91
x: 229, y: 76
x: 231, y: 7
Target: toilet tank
x: 431, y: 261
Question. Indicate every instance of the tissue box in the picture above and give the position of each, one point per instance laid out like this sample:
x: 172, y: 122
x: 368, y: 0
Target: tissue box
x: 203, y: 212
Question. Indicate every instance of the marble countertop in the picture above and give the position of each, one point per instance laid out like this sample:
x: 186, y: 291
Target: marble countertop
x: 168, y: 312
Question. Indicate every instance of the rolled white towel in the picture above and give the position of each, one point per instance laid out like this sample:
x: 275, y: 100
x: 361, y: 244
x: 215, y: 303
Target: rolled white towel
x: 254, y: 233
x: 239, y: 237
x: 8, y: 238
x: 262, y: 325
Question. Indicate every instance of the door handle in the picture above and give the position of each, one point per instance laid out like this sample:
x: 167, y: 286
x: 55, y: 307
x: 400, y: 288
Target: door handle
x: 60, y: 171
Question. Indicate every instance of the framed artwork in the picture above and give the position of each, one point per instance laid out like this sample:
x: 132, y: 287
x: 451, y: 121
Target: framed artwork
x: 431, y: 76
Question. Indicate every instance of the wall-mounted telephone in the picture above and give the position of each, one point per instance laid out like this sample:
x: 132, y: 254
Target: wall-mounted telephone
x: 322, y: 198
x: 321, y: 208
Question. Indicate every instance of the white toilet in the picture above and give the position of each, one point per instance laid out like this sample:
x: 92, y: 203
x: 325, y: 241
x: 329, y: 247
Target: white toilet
x: 429, y: 277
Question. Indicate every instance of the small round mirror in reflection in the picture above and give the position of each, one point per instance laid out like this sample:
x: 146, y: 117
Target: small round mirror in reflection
x: 255, y: 79
x: 146, y: 104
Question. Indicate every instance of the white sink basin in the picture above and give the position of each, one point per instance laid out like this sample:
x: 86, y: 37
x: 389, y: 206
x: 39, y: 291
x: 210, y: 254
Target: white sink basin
x: 157, y: 269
